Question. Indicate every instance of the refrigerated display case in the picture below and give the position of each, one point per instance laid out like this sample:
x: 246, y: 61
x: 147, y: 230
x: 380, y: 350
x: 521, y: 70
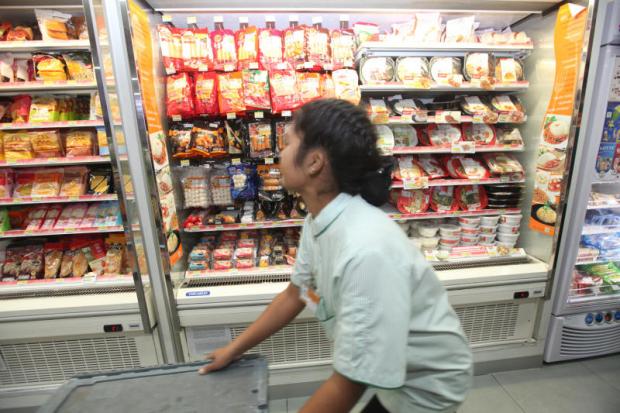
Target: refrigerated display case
x: 585, y: 318
x: 74, y: 294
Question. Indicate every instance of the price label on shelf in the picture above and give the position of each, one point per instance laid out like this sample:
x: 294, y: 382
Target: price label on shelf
x: 287, y: 113
x: 505, y: 178
x: 259, y: 115
x: 236, y: 161
x: 478, y: 118
x: 229, y: 68
x: 176, y: 118
x: 463, y: 147
x: 231, y: 116
x: 203, y: 68
x: 448, y: 116
x: 253, y: 65
x: 268, y: 161
x: 184, y: 162
x: 419, y: 182
x: 308, y: 65
x: 281, y: 66
x: 328, y: 67
x: 170, y: 71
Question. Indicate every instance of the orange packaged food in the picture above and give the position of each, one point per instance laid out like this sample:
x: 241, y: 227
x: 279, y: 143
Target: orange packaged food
x: 224, y: 47
x: 205, y: 95
x: 318, y: 53
x: 256, y: 89
x: 343, y: 45
x: 20, y: 33
x: 270, y: 44
x: 80, y: 143
x: 294, y: 42
x: 179, y: 101
x: 47, y: 182
x: 74, y: 181
x: 17, y: 146
x: 260, y: 139
x: 230, y: 92
x: 309, y: 86
x: 284, y: 90
x: 170, y: 45
x: 247, y: 45
x: 46, y: 144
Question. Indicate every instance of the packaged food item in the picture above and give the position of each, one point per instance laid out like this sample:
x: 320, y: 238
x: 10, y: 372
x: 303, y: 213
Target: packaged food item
x: 471, y: 197
x: 44, y: 109
x: 408, y: 169
x: 20, y: 33
x: 294, y: 42
x: 280, y: 131
x: 428, y: 28
x: 5, y: 26
x: 23, y: 69
x: 66, y: 264
x: 479, y: 66
x: 77, y: 28
x: 47, y: 182
x: 346, y: 85
x: 411, y: 201
x: 247, y: 45
x: 318, y: 53
x: 284, y: 90
x: 270, y: 44
x: 236, y: 136
x: 19, y: 110
x: 221, y: 187
x: 474, y: 106
x: 100, y: 181
x: 256, y: 90
x: 179, y: 102
x: 17, y: 146
x: 405, y: 136
x: 509, y: 69
x: 205, y: 94
x: 6, y: 183
x: 243, y: 178
x: 196, y: 49
x: 480, y: 133
x: 53, y: 24
x: 502, y: 163
x: 74, y: 181
x: 385, y: 139
x: 408, y: 107
x: 443, y: 134
x: 509, y: 107
x: 51, y: 216
x: 377, y: 70
x: 32, y: 263
x: 260, y: 139
x: 79, y: 66
x: 446, y: 71
x: 180, y: 136
x: 224, y: 47
x: 443, y: 199
x: 46, y: 143
x: 365, y: 32
x: 309, y: 86
x: 403, y: 31
x: 432, y: 167
x: 208, y: 140
x: 343, y: 45
x: 378, y: 111
x: 36, y: 216
x: 79, y: 142
x: 230, y: 92
x: 53, y: 257
x: 49, y: 66
x: 195, y: 184
x: 7, y: 74
x: 465, y: 167
x: 413, y: 70
x: 170, y: 45
x: 24, y: 180
x: 461, y: 30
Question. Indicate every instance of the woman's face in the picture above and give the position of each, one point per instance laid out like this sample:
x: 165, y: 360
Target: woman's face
x: 293, y: 175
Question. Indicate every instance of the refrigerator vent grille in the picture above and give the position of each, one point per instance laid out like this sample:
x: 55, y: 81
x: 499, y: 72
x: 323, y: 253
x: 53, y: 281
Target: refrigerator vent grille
x: 297, y: 342
x: 584, y: 343
x: 56, y: 361
x: 59, y: 293
x: 444, y: 266
x: 217, y: 281
x: 489, y: 323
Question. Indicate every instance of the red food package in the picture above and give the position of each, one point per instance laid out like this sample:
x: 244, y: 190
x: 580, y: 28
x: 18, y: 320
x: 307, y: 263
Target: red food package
x: 270, y: 47
x: 230, y: 92
x: 224, y: 47
x: 284, y: 90
x: 309, y: 86
x: 205, y: 95
x: 196, y: 50
x: 179, y: 102
x: 471, y: 197
x: 19, y: 111
x: 411, y: 201
x: 443, y: 199
x: 6, y: 183
x: 220, y: 265
x: 256, y: 89
x: 318, y: 54
x: 343, y: 48
x: 170, y: 45
x: 465, y: 167
x: 247, y: 48
x: 4, y: 29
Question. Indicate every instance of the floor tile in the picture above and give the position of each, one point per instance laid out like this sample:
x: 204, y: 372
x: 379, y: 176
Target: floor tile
x: 607, y: 368
x: 561, y: 388
x: 278, y: 406
x: 487, y: 395
x: 296, y: 403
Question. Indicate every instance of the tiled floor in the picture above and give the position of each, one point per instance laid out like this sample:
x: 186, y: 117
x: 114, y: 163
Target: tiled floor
x: 590, y: 386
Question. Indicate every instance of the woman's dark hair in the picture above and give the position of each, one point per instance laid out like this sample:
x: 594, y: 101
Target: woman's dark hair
x: 344, y: 131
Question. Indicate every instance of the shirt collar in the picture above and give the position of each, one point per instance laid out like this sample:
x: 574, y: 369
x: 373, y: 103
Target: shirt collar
x: 329, y: 213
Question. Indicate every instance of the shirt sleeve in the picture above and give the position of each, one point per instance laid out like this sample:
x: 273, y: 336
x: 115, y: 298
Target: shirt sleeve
x: 372, y: 327
x: 302, y: 273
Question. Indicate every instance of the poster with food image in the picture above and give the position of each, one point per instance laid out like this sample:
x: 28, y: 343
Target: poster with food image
x: 568, y: 40
x: 611, y: 133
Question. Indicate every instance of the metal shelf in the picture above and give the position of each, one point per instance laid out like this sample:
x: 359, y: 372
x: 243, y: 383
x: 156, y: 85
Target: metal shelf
x: 20, y: 233
x: 43, y: 45
x: 466, y: 87
x: 68, y: 86
x: 459, y: 182
x: 599, y: 229
x: 78, y: 160
x: 438, y: 49
x: 452, y: 214
x: 406, y: 120
x: 608, y: 206
x: 57, y: 199
x: 55, y: 125
x: 253, y: 225
x: 438, y: 149
x: 22, y: 287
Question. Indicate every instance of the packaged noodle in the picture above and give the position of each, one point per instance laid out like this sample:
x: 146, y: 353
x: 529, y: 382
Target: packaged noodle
x: 170, y: 45
x: 294, y: 42
x: 44, y: 109
x: 49, y: 66
x: 74, y: 181
x: 80, y: 143
x: 256, y: 89
x: 247, y: 46
x: 179, y: 101
x: 224, y: 48
x: 318, y: 53
x: 46, y: 143
x: 17, y: 146
x: 6, y: 183
x: 284, y: 90
x: 205, y: 96
x: 53, y: 24
x: 19, y: 110
x: 270, y: 46
x: 24, y: 179
x: 309, y: 86
x: 79, y: 66
x: 346, y: 85
x: 230, y: 92
x: 47, y: 182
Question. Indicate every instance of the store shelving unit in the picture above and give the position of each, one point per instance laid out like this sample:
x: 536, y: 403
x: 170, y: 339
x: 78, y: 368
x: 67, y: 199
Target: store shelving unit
x: 80, y: 160
x: 422, y: 150
x: 52, y: 125
x: 56, y: 199
x: 19, y: 233
x: 40, y: 86
x: 459, y: 182
x: 466, y: 87
x: 44, y: 46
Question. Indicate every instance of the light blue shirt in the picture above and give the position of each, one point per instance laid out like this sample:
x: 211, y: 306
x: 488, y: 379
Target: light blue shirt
x: 384, y: 308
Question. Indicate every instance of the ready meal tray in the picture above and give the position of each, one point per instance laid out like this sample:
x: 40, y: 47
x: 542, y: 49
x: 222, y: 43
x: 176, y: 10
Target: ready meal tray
x: 240, y: 388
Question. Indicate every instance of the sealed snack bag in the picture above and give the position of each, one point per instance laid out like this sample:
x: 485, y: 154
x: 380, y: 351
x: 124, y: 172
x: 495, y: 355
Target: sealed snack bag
x: 80, y: 142
x: 180, y: 136
x: 179, y: 102
x: 346, y: 85
x: 53, y: 24
x: 205, y: 94
x: 280, y: 130
x: 6, y: 183
x: 19, y: 110
x: 170, y: 45
x: 17, y: 146
x: 256, y: 89
x: 284, y: 90
x: 230, y: 92
x: 24, y: 179
x: 236, y: 136
x: 270, y: 44
x: 47, y: 182
x: 343, y: 45
x: 260, y: 139
x: 44, y: 109
x: 46, y: 144
x: 428, y: 28
x: 53, y: 256
x: 365, y: 32
x: 20, y: 33
x: 247, y: 45
x: 208, y: 140
x: 328, y: 90
x: 221, y: 186
x: 318, y: 53
x: 49, y: 66
x: 461, y: 30
x: 79, y: 66
x: 224, y: 48
x: 196, y: 48
x: 100, y: 181
x: 294, y: 43
x: 309, y: 86
x: 243, y: 178
x: 74, y: 181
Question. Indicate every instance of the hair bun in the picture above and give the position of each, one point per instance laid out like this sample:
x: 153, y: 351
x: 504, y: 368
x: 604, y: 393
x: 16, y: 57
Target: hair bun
x: 375, y: 188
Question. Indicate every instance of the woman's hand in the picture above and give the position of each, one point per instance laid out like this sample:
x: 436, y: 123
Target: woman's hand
x: 220, y: 358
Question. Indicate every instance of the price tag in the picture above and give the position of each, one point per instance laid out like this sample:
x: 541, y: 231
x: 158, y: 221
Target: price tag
x: 236, y: 161
x: 253, y: 65
x: 229, y: 68
x: 416, y: 183
x: 184, y: 162
x: 463, y: 147
x: 203, y: 68
x: 308, y: 65
x: 191, y: 20
x: 89, y: 277
x: 259, y: 115
x: 328, y: 67
x: 176, y: 118
x: 170, y: 71
x: 478, y: 118
x: 231, y: 116
x: 268, y: 161
x: 287, y: 113
x: 448, y: 116
x: 348, y: 63
x: 281, y: 66
x: 505, y: 178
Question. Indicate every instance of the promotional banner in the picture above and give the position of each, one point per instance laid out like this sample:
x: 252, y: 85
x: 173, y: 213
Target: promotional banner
x: 551, y: 155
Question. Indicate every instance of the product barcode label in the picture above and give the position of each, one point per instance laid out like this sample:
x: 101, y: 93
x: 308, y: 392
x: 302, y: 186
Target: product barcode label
x: 176, y: 118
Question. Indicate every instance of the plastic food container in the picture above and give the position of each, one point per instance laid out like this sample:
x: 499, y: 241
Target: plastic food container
x: 488, y: 229
x: 508, y: 238
x: 468, y: 244
x: 505, y: 244
x: 487, y: 238
x: 469, y: 238
x: 429, y: 243
x: 428, y: 229
x: 507, y: 229
x: 487, y: 244
x: 451, y: 241
x: 469, y: 221
x: 489, y: 221
x: 510, y: 219
x: 470, y: 231
x: 449, y: 230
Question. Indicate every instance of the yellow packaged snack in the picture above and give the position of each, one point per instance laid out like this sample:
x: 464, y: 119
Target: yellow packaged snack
x: 79, y: 143
x: 44, y: 109
x: 79, y: 66
x: 47, y: 182
x: 46, y: 144
x: 49, y: 67
x: 17, y: 146
x: 74, y: 181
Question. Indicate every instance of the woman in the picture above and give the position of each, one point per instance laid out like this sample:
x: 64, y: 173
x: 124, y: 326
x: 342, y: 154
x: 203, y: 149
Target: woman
x: 377, y: 297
